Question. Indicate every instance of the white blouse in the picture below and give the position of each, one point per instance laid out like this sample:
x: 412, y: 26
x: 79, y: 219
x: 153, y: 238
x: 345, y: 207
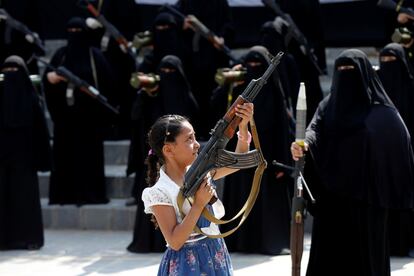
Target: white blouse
x: 165, y: 192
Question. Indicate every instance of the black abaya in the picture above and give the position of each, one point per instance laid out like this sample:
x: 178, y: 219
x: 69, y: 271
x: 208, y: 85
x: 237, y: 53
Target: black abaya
x: 24, y: 150
x: 362, y: 166
x: 173, y: 97
x: 267, y: 228
x: 398, y: 80
x: 78, y: 174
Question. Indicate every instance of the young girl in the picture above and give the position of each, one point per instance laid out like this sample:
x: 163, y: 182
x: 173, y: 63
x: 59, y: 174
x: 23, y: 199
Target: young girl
x: 173, y: 149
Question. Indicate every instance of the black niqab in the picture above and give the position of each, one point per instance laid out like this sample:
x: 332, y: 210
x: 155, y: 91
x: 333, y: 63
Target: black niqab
x: 359, y: 143
x: 271, y: 38
x: 271, y: 214
x: 287, y: 69
x: 166, y: 40
x: 77, y: 54
x: 398, y: 79
x: 174, y: 97
x: 353, y: 91
x: 175, y: 90
x: 17, y: 95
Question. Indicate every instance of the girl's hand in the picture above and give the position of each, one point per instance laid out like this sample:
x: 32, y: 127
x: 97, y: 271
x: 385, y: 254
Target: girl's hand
x: 204, y: 194
x: 244, y: 111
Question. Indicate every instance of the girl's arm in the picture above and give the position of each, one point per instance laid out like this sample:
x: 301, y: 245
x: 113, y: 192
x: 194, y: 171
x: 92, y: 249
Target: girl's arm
x: 177, y: 233
x: 244, y: 111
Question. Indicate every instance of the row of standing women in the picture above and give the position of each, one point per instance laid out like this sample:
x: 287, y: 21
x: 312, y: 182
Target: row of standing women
x: 77, y: 174
x: 271, y: 215
x: 82, y: 125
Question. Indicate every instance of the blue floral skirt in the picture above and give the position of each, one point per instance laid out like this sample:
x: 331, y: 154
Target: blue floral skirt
x: 204, y: 257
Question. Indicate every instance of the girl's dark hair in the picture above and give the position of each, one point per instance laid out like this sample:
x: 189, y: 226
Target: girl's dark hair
x: 165, y: 129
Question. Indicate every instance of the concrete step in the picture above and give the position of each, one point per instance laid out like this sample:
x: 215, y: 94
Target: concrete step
x: 112, y: 216
x: 116, y: 152
x: 118, y: 185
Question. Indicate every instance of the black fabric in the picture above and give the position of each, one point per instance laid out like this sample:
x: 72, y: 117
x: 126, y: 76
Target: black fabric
x: 361, y: 166
x: 205, y: 59
x: 78, y: 175
x: 358, y: 230
x: 306, y: 15
x: 269, y: 221
x: 16, y: 86
x: 122, y: 66
x: 77, y: 52
x: 166, y: 41
x: 173, y: 97
x: 125, y: 15
x: 287, y: 68
x: 346, y: 127
x: 16, y: 44
x: 13, y: 42
x: 24, y: 150
x: 397, y: 78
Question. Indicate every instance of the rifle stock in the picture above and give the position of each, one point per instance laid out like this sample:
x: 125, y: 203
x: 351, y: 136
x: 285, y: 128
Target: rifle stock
x: 223, y: 132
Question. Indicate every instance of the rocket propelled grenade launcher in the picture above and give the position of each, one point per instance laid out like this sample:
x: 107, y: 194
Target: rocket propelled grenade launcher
x: 298, y: 202
x: 213, y: 155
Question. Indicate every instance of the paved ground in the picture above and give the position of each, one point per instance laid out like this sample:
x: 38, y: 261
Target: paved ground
x: 70, y: 253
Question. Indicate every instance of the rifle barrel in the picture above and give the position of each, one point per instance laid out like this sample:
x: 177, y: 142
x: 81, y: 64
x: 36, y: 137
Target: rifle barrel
x: 254, y: 86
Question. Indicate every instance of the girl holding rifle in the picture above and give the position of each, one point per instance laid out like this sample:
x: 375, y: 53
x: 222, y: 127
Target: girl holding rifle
x: 173, y: 149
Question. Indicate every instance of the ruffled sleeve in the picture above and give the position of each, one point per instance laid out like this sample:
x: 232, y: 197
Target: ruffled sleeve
x: 155, y: 196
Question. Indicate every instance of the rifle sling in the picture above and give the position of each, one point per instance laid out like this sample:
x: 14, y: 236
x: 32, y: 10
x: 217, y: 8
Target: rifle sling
x: 247, y: 207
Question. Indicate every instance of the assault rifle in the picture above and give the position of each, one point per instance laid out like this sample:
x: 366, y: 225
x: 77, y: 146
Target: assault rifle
x: 201, y: 29
x: 111, y: 30
x: 213, y: 154
x: 81, y: 84
x: 29, y: 35
x: 294, y: 32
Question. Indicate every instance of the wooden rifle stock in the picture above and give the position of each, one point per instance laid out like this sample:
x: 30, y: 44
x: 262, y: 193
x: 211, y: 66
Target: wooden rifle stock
x: 232, y: 119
